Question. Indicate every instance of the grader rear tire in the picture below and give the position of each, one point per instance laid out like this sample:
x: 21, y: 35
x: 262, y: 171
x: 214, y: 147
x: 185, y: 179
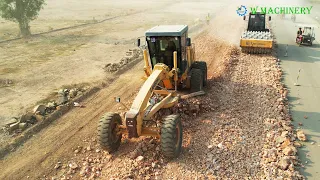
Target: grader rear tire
x: 108, y: 128
x: 203, y: 67
x: 196, y: 80
x: 171, y: 136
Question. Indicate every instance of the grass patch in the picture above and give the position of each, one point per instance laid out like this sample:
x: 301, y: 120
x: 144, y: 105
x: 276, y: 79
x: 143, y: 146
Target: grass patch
x: 315, y: 1
x: 58, y: 40
x: 8, y: 70
x: 10, y: 30
x: 6, y: 83
x: 78, y: 86
x: 51, y: 97
x: 43, y: 48
x: 39, y: 49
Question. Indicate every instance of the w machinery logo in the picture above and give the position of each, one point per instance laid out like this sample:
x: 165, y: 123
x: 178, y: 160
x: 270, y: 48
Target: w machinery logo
x: 242, y: 10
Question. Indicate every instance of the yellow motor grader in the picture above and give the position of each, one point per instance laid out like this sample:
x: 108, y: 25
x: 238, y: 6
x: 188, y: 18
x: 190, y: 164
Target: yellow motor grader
x: 170, y: 65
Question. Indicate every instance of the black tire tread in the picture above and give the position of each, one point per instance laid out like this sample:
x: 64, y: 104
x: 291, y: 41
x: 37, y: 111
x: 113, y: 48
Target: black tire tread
x: 168, y: 129
x: 196, y: 80
x: 103, y: 131
x: 202, y: 65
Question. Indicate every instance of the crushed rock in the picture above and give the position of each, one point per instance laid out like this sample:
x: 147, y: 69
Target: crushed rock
x: 131, y: 55
x: 240, y: 130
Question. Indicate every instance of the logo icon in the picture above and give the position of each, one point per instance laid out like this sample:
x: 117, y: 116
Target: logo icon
x: 242, y: 10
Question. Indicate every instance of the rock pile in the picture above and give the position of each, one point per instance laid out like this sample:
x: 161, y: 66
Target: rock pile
x: 279, y: 157
x: 131, y: 55
x: 6, y: 82
x: 64, y: 95
x: 17, y: 125
x: 90, y: 161
x: 240, y: 130
x: 21, y: 123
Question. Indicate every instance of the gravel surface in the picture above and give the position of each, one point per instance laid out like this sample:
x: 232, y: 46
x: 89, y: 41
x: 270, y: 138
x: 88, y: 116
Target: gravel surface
x: 241, y: 129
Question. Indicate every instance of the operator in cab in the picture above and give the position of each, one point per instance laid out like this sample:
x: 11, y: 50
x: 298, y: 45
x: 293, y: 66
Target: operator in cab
x: 171, y: 47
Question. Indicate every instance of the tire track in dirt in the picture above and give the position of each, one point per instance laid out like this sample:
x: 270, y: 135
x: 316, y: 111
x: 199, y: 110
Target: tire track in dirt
x: 56, y: 142
x: 236, y: 124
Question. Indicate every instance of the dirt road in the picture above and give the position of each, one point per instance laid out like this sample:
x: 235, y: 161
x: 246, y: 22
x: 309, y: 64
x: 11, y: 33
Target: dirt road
x: 304, y: 98
x: 39, y: 66
x: 233, y: 134
x: 56, y: 142
x: 226, y: 93
x: 224, y: 140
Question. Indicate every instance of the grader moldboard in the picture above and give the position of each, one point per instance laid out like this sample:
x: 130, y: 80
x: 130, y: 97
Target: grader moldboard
x: 257, y: 39
x: 170, y: 65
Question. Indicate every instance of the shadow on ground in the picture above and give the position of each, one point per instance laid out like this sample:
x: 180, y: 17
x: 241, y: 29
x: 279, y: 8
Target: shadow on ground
x: 311, y: 124
x: 308, y: 121
x: 310, y: 54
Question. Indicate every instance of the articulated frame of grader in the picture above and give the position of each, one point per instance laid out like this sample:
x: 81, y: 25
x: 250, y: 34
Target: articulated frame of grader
x: 169, y: 65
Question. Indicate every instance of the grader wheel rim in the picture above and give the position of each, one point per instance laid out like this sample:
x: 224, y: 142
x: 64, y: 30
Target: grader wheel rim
x: 109, y: 137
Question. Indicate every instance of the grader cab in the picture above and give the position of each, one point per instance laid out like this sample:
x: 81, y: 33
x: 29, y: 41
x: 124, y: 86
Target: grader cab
x: 170, y: 65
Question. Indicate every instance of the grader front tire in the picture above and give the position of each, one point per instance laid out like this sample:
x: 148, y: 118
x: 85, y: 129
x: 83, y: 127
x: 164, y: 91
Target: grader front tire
x: 171, y: 136
x: 109, y: 137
